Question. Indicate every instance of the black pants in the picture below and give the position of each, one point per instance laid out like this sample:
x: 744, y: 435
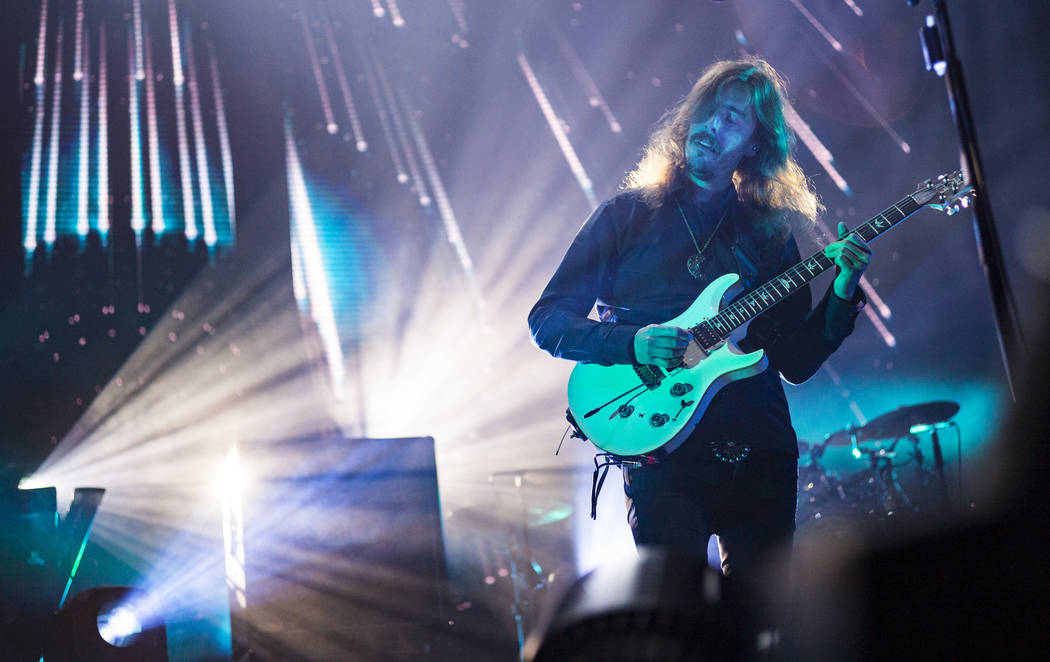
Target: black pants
x: 750, y: 505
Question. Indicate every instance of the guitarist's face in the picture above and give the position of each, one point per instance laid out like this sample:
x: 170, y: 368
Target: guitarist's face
x: 720, y: 137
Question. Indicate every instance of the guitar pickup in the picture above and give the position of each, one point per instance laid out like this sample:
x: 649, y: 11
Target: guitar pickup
x: 705, y: 337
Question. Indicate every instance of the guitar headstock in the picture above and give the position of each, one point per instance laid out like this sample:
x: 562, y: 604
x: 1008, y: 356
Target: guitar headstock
x: 949, y: 193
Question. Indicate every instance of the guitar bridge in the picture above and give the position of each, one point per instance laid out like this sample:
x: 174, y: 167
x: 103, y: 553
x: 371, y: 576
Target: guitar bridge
x: 650, y: 375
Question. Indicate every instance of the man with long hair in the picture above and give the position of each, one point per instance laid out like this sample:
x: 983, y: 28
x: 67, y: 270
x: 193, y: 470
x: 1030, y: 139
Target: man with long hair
x: 716, y: 191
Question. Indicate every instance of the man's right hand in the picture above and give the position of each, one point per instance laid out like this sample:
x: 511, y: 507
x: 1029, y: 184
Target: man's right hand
x: 662, y: 346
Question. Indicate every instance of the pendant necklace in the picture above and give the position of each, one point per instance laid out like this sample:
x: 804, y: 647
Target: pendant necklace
x: 698, y: 261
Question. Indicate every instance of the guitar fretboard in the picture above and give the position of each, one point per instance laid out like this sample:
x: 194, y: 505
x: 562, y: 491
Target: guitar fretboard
x: 716, y: 329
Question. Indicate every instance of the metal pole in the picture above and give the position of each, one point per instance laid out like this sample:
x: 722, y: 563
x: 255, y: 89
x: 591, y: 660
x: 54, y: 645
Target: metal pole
x: 1011, y: 341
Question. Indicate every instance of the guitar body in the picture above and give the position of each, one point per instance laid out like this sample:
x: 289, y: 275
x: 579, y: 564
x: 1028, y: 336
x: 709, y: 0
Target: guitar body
x: 636, y: 419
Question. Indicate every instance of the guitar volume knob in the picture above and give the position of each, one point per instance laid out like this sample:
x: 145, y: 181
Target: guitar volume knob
x: 680, y: 389
x: 656, y: 420
x: 625, y: 410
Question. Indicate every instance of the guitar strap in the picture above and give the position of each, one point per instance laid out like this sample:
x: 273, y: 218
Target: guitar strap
x: 597, y: 482
x: 602, y: 462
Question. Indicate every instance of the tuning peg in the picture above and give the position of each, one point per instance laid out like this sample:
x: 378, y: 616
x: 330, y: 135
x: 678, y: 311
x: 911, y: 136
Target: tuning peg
x: 958, y: 205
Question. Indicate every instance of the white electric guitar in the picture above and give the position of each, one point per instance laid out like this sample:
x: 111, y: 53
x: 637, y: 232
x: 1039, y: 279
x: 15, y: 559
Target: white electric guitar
x: 630, y: 410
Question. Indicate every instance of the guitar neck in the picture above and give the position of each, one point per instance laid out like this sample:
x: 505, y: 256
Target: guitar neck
x: 761, y: 299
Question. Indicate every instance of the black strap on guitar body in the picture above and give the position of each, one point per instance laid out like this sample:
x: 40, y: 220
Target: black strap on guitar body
x: 602, y: 462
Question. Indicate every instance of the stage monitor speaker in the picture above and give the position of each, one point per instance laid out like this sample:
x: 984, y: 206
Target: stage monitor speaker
x: 343, y: 552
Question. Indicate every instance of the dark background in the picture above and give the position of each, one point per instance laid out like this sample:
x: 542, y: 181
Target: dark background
x: 493, y: 402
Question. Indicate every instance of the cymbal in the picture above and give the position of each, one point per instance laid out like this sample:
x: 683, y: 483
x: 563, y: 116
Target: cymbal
x: 896, y: 423
x: 839, y: 437
x: 899, y: 422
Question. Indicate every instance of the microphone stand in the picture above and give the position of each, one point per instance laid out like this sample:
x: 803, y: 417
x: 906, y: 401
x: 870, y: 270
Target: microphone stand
x: 939, y: 50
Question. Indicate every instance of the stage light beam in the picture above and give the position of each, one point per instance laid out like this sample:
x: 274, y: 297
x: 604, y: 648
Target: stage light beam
x: 817, y: 25
x: 312, y: 261
x: 448, y: 217
x: 459, y: 12
x: 224, y: 144
x: 863, y: 101
x: 590, y: 88
x: 54, y: 146
x: 395, y: 14
x: 138, y: 221
x: 78, y: 54
x: 41, y: 45
x: 153, y: 143
x: 139, y: 62
x: 399, y: 130
x: 559, y: 131
x: 189, y: 208
x: 84, y: 143
x: 821, y: 153
x: 384, y: 121
x: 102, y: 223
x: 344, y: 87
x: 29, y: 242
x: 203, y: 170
x: 856, y: 8
x: 315, y: 65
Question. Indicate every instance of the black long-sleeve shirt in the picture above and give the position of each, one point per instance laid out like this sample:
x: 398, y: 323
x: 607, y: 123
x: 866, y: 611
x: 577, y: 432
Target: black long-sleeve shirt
x: 630, y: 260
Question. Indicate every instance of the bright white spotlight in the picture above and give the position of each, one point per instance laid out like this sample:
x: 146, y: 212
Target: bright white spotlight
x: 32, y: 483
x: 118, y: 625
x: 229, y: 485
x: 228, y: 482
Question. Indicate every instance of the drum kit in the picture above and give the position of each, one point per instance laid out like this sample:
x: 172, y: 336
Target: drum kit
x: 882, y: 492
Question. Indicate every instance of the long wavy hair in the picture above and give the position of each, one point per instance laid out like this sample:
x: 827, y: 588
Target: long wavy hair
x: 770, y: 180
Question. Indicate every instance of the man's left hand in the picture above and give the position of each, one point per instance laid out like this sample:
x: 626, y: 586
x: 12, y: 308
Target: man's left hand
x: 851, y: 256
